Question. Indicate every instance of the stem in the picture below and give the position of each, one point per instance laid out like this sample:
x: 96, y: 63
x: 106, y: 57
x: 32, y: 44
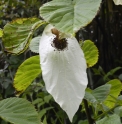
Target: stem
x: 90, y: 120
x: 105, y: 113
x: 11, y: 74
x: 90, y: 78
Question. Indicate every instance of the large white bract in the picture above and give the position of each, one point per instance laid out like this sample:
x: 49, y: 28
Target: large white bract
x: 64, y: 71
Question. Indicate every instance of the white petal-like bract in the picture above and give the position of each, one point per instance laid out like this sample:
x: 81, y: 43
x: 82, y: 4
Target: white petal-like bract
x: 118, y: 2
x: 64, y: 71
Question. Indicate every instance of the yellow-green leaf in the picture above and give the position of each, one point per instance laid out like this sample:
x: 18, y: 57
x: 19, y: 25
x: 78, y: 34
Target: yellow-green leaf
x: 18, y: 34
x: 90, y: 53
x: 26, y: 73
x: 115, y: 90
x: 1, y: 32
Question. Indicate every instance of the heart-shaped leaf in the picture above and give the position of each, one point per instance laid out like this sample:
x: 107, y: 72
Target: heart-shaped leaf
x: 69, y: 16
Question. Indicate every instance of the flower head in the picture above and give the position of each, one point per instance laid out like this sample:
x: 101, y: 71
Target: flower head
x: 63, y: 69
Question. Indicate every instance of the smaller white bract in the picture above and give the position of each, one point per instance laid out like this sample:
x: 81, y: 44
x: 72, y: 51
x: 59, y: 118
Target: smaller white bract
x: 63, y: 69
x: 118, y: 2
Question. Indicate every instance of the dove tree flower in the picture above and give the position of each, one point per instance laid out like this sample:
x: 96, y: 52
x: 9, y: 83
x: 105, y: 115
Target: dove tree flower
x: 63, y: 69
x: 63, y: 64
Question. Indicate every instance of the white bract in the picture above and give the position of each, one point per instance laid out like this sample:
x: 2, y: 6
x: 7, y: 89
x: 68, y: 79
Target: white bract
x: 63, y: 71
x: 118, y: 2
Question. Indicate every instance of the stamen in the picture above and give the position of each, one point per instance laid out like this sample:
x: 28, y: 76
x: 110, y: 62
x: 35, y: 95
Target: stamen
x: 59, y: 44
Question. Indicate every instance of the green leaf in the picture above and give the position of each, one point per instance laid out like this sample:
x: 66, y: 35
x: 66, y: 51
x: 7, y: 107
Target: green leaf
x: 1, y: 32
x: 4, y: 122
x: 90, y: 98
x: 18, y: 111
x: 38, y: 100
x: 90, y: 53
x: 112, y: 119
x: 83, y: 122
x: 18, y: 34
x: 115, y: 90
x: 98, y: 95
x: 26, y: 73
x: 118, y: 111
x: 101, y: 92
x: 111, y: 72
x: 45, y: 120
x: 43, y: 111
x: 63, y: 0
x: 120, y: 77
x: 47, y: 98
x: 69, y: 17
x: 118, y: 100
x: 34, y: 44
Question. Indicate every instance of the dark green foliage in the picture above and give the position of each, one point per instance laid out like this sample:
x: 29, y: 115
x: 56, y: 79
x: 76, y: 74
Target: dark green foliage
x: 9, y: 10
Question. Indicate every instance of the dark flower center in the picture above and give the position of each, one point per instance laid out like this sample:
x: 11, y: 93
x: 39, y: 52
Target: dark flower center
x: 59, y: 44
